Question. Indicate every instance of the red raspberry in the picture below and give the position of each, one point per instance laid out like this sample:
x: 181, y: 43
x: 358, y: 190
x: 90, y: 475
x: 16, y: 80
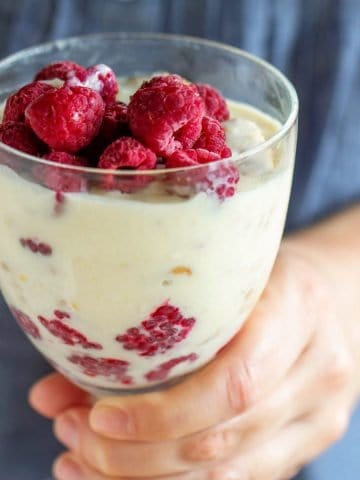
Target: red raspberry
x: 61, y: 179
x: 190, y: 158
x: 106, y: 367
x: 67, y: 335
x: 166, y: 114
x: 66, y: 158
x: 115, y: 122
x: 164, y: 328
x: 16, y: 104
x: 61, y: 71
x: 163, y: 81
x: 127, y: 154
x: 26, y: 323
x: 66, y: 119
x: 213, y: 138
x: 215, y: 103
x: 36, y: 247
x: 162, y: 371
x: 100, y: 78
x: 18, y: 135
x: 215, y: 178
x: 221, y: 180
x: 114, y: 125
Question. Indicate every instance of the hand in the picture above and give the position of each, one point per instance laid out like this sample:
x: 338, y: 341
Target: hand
x: 277, y: 396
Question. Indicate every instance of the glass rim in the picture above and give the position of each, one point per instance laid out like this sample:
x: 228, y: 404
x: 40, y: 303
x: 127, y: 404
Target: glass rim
x: 238, y: 158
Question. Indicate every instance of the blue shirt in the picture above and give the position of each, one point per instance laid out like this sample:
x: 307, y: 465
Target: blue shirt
x: 317, y: 44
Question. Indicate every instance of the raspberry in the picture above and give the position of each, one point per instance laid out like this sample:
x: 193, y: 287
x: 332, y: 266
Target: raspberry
x: 159, y: 333
x: 67, y: 335
x: 100, y: 78
x: 128, y: 154
x: 26, y: 323
x: 106, y: 367
x: 166, y: 114
x: 36, y: 247
x: 61, y: 179
x: 215, y: 103
x: 213, y: 138
x: 16, y: 104
x: 18, y: 135
x: 162, y: 371
x: 65, y: 158
x: 115, y: 122
x: 163, y: 81
x: 61, y: 71
x: 221, y: 180
x: 190, y: 158
x: 216, y: 178
x: 66, y: 119
x: 114, y: 125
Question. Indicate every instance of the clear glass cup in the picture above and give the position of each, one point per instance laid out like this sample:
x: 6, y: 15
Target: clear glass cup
x: 128, y: 282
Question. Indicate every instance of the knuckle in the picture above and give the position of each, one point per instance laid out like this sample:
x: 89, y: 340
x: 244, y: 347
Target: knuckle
x: 338, y: 370
x: 100, y: 456
x: 166, y: 428
x: 149, y: 421
x: 153, y: 421
x: 337, y: 427
x: 261, y: 473
x: 234, y: 470
x: 210, y: 447
x: 223, y: 472
x: 241, y: 387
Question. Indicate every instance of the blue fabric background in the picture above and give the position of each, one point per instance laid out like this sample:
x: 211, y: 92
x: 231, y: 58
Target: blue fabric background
x: 317, y: 44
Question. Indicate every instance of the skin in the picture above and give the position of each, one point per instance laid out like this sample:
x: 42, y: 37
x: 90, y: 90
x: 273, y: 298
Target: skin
x: 275, y: 398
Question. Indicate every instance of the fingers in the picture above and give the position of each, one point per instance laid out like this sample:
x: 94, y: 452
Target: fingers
x: 239, y: 438
x: 294, y: 398
x: 253, y: 364
x: 71, y: 467
x: 114, y: 457
x: 126, y: 458
x: 54, y: 394
x: 298, y: 396
x: 279, y: 457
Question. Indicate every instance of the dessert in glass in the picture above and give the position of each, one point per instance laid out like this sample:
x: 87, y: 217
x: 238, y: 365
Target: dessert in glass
x: 141, y: 211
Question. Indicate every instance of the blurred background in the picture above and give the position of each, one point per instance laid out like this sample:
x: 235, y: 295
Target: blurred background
x: 315, y: 42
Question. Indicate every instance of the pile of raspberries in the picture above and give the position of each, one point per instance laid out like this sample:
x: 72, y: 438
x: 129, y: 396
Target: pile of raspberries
x: 169, y: 123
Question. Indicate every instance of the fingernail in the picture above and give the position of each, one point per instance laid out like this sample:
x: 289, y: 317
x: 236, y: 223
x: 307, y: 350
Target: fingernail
x: 67, y: 469
x: 66, y: 430
x: 111, y: 421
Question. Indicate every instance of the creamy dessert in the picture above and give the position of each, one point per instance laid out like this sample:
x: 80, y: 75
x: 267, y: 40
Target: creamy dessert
x: 128, y: 288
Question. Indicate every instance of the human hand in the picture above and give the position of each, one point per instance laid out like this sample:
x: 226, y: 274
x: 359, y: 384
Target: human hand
x: 277, y: 396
